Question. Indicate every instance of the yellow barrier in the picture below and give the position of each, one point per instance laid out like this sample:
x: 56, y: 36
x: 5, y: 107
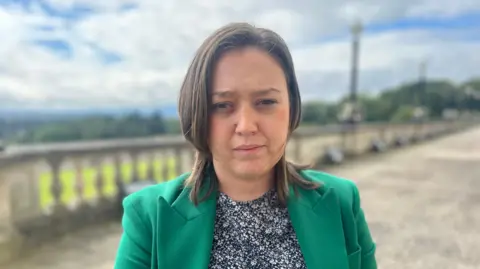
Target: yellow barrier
x: 68, y: 182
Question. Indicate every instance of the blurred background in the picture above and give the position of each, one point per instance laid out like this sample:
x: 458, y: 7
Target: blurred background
x: 88, y: 94
x: 77, y: 70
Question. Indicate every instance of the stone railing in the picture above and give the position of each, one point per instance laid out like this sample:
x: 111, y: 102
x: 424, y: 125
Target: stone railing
x: 49, y: 190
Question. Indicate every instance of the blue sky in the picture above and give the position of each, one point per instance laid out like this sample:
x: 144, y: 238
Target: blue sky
x: 74, y: 12
x: 461, y: 21
x: 79, y: 11
x: 96, y: 41
x: 70, y: 15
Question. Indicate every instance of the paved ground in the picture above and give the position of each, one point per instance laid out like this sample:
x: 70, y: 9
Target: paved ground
x: 88, y: 249
x: 422, y: 203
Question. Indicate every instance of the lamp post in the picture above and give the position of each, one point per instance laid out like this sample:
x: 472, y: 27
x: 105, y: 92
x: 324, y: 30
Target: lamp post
x: 356, y: 30
x: 423, y: 80
x: 421, y: 96
x: 350, y: 114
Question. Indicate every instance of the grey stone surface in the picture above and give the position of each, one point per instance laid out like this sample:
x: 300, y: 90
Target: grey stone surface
x: 422, y: 203
x: 93, y: 248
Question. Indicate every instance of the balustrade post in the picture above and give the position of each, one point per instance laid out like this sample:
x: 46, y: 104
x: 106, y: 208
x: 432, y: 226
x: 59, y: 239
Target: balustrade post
x: 79, y: 184
x: 151, y: 166
x: 55, y: 162
x: 99, y: 179
x: 135, y: 173
x: 165, y: 167
x: 119, y: 180
x: 178, y: 161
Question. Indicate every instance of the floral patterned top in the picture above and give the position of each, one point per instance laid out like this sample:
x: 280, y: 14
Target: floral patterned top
x: 254, y: 234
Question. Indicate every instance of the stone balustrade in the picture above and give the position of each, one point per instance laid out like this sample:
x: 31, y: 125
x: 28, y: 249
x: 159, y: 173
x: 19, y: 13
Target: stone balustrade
x: 49, y: 190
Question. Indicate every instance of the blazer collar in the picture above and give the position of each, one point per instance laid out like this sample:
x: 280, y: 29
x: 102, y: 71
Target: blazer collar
x: 317, y: 220
x: 185, y: 207
x: 185, y: 231
x: 315, y: 216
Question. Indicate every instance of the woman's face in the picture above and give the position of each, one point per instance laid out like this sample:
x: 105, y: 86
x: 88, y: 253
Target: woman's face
x: 250, y: 114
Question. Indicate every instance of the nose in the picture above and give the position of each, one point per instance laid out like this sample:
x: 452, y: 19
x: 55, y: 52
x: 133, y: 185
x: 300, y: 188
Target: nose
x: 246, y: 121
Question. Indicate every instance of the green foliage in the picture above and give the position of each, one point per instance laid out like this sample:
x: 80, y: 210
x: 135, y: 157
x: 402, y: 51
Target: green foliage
x: 397, y: 104
x: 173, y: 126
x: 99, y: 127
x: 402, y: 114
x: 318, y: 113
x: 375, y: 109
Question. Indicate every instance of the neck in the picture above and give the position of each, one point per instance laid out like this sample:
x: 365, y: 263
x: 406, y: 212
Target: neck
x: 241, y: 189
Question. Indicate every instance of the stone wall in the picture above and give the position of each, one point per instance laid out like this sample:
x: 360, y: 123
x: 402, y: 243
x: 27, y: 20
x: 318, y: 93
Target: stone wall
x: 50, y: 190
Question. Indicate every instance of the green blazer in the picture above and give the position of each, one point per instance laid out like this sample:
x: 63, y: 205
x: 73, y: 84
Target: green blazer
x: 164, y: 229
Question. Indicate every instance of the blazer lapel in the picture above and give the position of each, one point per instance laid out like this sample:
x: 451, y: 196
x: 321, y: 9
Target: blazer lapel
x: 185, y: 232
x: 316, y: 218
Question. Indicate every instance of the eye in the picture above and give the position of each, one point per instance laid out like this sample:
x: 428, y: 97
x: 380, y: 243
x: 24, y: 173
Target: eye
x: 222, y: 106
x: 267, y: 102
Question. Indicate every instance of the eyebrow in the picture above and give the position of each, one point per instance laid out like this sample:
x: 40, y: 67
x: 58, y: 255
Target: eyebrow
x: 262, y: 92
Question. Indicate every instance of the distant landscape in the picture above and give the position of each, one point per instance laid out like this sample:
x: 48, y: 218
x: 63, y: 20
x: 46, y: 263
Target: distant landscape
x: 57, y: 114
x: 396, y: 104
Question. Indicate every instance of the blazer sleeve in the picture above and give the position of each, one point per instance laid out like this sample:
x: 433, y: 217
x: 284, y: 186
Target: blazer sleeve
x: 368, y: 260
x: 134, y: 250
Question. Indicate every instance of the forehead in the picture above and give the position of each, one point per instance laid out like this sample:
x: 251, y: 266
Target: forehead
x: 248, y: 70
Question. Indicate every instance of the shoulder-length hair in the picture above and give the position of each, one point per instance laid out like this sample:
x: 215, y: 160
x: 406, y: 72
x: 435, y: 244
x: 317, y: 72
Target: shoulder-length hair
x: 195, y: 104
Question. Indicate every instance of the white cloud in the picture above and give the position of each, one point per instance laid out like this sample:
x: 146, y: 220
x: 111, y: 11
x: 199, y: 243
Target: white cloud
x: 386, y: 60
x: 443, y: 8
x: 158, y: 39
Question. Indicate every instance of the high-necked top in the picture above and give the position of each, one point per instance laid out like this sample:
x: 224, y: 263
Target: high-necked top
x: 254, y: 234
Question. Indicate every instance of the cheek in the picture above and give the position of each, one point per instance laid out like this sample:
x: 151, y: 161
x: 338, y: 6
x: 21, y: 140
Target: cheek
x: 277, y: 125
x: 214, y: 129
x: 218, y: 131
x: 283, y: 115
x: 282, y: 119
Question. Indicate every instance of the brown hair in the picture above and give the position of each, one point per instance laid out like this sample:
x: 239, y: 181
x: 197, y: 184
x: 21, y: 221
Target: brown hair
x: 195, y: 99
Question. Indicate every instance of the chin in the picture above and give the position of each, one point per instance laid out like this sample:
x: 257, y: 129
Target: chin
x: 252, y: 168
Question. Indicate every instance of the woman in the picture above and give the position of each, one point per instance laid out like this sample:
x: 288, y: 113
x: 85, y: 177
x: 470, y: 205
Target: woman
x: 243, y: 205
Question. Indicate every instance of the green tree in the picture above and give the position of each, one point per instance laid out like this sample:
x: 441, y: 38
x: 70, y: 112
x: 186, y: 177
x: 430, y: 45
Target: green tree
x: 374, y: 108
x: 402, y: 114
x: 156, y: 124
x: 316, y: 112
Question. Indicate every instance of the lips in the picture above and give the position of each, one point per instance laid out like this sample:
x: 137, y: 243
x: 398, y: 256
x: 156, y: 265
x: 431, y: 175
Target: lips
x: 247, y: 147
